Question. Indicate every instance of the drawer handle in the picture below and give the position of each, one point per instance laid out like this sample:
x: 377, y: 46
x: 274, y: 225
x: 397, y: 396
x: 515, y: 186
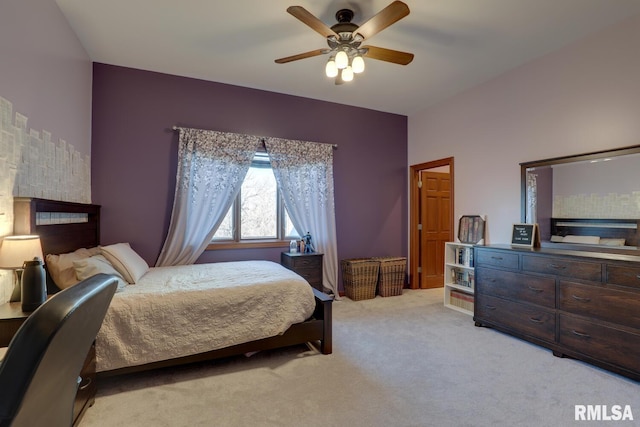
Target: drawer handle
x: 497, y: 258
x: 558, y: 266
x: 582, y: 299
x: 535, y: 289
x: 580, y: 334
x: 86, y: 384
x: 534, y: 320
x: 490, y: 307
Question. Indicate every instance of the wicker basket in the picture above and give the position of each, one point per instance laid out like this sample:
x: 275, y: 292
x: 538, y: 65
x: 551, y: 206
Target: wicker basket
x: 360, y: 276
x: 392, y: 275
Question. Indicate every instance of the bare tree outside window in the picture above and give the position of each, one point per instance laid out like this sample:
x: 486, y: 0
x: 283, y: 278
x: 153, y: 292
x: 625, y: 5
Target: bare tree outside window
x: 258, y: 206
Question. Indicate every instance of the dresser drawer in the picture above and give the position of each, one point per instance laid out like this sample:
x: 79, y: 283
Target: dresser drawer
x: 497, y: 259
x: 600, y: 302
x: 608, y: 344
x: 563, y: 267
x: 539, y: 290
x: 624, y: 276
x: 526, y: 319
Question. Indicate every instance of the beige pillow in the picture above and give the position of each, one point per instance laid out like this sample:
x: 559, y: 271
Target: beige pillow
x: 126, y: 261
x: 61, y: 269
x: 88, y: 267
x: 613, y: 242
x: 589, y: 240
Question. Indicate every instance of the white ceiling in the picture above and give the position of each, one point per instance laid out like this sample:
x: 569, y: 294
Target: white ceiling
x: 457, y: 43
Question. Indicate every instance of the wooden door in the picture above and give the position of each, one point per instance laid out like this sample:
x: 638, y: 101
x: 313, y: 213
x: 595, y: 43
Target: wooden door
x: 435, y: 226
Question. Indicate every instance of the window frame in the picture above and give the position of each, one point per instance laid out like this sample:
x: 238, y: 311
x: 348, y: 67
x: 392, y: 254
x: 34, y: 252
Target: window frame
x: 236, y: 242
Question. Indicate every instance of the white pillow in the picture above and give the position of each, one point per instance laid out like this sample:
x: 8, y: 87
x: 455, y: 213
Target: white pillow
x: 61, y: 269
x: 590, y: 240
x: 124, y: 259
x: 613, y: 242
x: 88, y: 267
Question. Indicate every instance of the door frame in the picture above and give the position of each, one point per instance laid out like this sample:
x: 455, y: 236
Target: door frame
x: 414, y: 213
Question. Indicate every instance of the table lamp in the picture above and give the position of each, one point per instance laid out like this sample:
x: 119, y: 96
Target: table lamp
x: 14, y: 251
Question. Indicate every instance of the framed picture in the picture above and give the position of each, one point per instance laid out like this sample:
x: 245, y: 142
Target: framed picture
x: 526, y: 235
x: 471, y: 229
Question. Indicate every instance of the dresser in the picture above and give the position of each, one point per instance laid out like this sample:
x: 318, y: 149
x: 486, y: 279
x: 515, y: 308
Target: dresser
x: 584, y: 305
x: 308, y: 265
x: 11, y: 317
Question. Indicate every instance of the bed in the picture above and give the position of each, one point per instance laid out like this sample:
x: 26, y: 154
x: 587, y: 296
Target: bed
x: 593, y: 234
x: 190, y: 331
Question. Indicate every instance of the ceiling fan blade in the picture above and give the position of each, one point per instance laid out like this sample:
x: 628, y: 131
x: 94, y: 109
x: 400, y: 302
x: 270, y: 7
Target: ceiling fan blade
x: 389, y: 55
x: 307, y: 18
x: 309, y: 54
x: 387, y: 16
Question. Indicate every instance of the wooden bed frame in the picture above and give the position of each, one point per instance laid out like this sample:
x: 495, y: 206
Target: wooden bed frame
x: 66, y: 237
x: 627, y: 229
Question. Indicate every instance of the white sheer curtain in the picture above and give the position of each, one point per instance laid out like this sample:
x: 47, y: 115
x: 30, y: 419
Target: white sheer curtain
x: 304, y: 173
x: 211, y: 168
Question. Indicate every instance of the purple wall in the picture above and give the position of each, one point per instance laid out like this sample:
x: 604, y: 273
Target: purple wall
x: 134, y: 155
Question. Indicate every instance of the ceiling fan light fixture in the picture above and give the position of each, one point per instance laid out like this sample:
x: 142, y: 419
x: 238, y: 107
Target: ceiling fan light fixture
x: 347, y: 74
x: 342, y: 60
x: 331, y: 70
x: 357, y: 64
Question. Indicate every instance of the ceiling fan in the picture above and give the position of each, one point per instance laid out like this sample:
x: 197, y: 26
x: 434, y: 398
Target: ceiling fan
x: 345, y: 39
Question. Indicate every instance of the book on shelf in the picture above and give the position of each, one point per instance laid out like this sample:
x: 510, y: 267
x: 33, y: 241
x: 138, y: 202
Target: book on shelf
x: 460, y: 299
x: 464, y: 256
x: 463, y: 277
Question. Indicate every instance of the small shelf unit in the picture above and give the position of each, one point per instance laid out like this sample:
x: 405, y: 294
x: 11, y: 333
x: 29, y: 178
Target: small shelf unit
x: 459, y: 277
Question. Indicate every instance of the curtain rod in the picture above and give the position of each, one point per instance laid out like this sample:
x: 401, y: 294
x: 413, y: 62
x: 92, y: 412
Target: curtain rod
x: 174, y: 127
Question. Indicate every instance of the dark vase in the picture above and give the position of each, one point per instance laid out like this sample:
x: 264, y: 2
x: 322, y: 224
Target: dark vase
x: 34, y: 285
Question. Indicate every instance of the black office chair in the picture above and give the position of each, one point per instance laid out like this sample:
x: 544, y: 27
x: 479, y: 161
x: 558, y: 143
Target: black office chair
x: 40, y: 370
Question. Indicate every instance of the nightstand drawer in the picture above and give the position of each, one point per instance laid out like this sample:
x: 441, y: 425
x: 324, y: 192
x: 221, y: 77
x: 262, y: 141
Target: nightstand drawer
x: 309, y: 266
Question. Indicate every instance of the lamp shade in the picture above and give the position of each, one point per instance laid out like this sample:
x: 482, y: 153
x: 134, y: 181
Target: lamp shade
x: 15, y: 250
x: 347, y: 74
x: 331, y: 70
x: 357, y: 64
x: 342, y: 60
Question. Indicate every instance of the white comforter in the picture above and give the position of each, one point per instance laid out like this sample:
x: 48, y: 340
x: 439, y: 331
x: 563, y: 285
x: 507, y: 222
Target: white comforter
x: 183, y: 310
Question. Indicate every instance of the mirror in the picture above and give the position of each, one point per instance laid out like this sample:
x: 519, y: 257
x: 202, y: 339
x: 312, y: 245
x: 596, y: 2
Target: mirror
x: 599, y: 186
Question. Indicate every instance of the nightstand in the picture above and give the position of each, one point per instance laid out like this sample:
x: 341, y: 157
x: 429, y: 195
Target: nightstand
x: 12, y: 317
x: 308, y: 266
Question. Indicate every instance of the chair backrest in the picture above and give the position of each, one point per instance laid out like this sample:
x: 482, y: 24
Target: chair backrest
x: 39, y: 373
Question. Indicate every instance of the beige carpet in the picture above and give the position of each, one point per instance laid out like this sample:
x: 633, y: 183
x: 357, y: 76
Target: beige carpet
x: 397, y: 361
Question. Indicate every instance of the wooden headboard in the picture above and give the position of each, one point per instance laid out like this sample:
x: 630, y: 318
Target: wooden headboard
x: 62, y: 226
x: 626, y: 229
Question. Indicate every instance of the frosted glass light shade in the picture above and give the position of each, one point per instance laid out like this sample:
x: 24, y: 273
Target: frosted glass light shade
x: 342, y: 60
x: 347, y: 74
x: 331, y: 70
x: 15, y: 250
x: 357, y: 65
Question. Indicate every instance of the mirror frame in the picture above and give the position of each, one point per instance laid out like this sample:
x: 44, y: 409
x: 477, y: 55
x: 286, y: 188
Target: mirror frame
x: 634, y: 149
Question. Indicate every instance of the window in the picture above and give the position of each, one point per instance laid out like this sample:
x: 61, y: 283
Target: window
x: 258, y: 213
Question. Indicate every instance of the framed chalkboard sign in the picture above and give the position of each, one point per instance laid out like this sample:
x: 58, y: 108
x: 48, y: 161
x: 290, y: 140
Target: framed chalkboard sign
x: 525, y: 235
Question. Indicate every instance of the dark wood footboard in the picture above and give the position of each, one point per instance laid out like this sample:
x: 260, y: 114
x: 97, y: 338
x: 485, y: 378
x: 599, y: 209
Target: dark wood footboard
x: 317, y: 329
